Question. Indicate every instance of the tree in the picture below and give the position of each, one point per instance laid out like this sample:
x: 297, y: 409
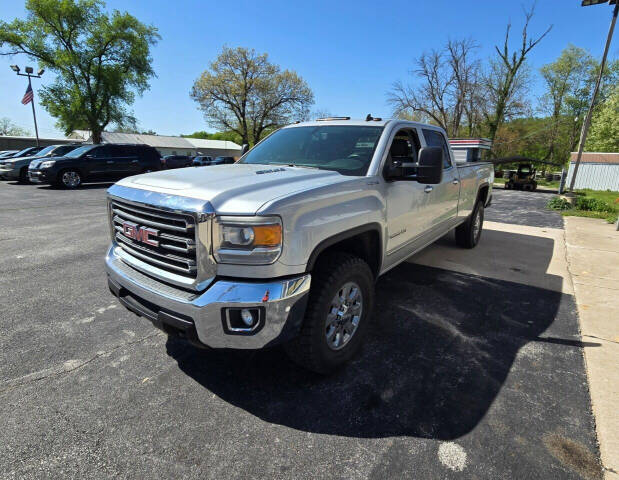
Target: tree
x: 243, y: 92
x: 564, y: 79
x: 101, y: 60
x: 229, y: 136
x: 604, y: 131
x: 505, y: 82
x: 7, y: 127
x: 448, y: 89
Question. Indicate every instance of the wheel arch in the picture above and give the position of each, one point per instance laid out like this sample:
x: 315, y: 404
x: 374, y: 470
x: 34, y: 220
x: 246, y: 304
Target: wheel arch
x: 364, y: 241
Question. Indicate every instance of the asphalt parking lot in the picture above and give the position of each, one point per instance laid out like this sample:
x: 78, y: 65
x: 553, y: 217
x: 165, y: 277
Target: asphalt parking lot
x: 467, y: 374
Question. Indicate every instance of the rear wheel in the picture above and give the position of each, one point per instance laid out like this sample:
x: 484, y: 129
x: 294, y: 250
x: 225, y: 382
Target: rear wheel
x: 338, y: 312
x: 70, y: 178
x: 468, y: 233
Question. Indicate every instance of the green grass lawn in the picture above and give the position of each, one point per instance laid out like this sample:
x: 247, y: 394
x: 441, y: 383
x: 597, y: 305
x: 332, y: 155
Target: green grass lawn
x: 606, y: 207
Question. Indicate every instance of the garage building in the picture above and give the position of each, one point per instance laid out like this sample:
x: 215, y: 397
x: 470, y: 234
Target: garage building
x: 168, y: 145
x: 597, y: 171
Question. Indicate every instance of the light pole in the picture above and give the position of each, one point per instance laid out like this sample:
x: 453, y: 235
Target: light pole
x: 587, y: 122
x: 30, y: 74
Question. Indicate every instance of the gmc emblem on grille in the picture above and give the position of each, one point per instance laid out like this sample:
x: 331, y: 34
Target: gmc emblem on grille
x: 140, y: 234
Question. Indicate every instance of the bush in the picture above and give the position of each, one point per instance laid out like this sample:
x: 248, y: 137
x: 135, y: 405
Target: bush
x: 593, y: 205
x: 558, y: 203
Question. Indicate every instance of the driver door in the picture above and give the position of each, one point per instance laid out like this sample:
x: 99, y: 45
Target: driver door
x: 406, y: 200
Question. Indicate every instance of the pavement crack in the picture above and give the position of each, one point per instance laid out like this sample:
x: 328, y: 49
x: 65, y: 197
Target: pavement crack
x: 67, y: 367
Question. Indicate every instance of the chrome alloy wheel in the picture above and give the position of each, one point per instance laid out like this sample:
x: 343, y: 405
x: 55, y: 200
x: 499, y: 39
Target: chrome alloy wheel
x: 344, y: 316
x: 71, y: 179
x: 477, y: 225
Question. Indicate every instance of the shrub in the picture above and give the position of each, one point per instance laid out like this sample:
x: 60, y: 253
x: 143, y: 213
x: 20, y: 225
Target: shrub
x: 593, y: 205
x: 558, y: 203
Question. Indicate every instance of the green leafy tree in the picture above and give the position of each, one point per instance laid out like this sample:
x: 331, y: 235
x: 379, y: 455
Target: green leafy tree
x: 243, y: 92
x: 101, y: 60
x: 566, y: 79
x: 506, y: 83
x: 229, y: 136
x: 604, y: 131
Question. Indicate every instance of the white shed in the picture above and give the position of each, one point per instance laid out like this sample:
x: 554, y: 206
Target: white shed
x: 597, y: 171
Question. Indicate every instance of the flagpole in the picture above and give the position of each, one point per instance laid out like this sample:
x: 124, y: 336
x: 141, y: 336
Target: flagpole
x: 30, y: 74
x: 34, y: 115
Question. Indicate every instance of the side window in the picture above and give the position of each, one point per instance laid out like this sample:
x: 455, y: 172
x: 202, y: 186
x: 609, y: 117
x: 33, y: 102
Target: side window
x: 404, y: 149
x: 436, y: 139
x: 100, y: 152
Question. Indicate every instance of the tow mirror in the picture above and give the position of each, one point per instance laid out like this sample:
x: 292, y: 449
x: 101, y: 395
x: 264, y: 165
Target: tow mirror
x: 430, y: 170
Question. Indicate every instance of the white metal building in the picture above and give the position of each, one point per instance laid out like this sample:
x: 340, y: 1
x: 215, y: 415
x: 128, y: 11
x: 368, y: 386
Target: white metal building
x: 169, y: 145
x: 469, y: 149
x: 597, y: 171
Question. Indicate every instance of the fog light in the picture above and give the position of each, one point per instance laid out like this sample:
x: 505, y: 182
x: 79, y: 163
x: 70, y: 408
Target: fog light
x: 247, y: 317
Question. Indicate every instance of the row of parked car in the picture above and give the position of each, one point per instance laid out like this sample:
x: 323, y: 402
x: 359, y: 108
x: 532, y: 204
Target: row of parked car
x: 71, y: 165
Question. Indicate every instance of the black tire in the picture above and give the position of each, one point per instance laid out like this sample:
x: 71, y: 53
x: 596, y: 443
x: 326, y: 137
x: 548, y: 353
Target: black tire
x: 508, y: 186
x: 311, y: 348
x: 467, y: 236
x: 64, y: 175
x: 23, y: 175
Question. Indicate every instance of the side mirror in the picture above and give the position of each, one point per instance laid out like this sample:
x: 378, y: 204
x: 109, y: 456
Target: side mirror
x: 430, y: 170
x: 244, y: 149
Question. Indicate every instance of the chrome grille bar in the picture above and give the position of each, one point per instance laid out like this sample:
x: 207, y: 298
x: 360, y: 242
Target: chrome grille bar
x: 174, y: 249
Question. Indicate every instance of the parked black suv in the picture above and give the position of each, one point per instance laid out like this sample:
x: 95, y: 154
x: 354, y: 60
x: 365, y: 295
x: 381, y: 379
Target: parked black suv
x: 176, y: 161
x: 96, y: 163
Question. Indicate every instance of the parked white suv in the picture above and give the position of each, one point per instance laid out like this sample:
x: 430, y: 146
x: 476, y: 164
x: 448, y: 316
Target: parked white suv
x: 285, y: 245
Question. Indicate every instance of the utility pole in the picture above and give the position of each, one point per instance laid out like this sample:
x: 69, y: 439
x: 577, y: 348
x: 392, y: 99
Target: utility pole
x: 30, y: 74
x: 587, y: 122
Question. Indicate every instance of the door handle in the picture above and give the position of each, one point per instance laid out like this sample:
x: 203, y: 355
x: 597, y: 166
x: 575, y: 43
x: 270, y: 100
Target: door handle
x: 428, y: 188
x: 134, y: 161
x: 456, y: 181
x: 110, y: 161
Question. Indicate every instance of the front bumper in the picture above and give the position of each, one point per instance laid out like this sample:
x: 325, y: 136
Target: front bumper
x: 201, y: 316
x: 9, y: 173
x: 40, y: 176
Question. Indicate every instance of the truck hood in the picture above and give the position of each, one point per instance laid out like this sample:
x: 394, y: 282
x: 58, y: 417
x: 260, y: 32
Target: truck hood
x: 237, y: 188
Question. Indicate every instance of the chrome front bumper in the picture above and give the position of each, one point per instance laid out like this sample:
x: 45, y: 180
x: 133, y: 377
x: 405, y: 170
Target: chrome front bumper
x: 282, y: 301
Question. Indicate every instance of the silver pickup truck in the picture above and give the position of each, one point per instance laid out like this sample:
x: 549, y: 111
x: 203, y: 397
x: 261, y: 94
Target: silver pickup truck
x: 284, y: 246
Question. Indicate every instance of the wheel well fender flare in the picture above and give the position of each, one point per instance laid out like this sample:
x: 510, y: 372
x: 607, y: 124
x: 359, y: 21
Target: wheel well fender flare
x: 347, y: 235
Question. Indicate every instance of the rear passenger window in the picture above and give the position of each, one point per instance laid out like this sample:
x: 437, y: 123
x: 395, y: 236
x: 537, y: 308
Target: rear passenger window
x: 436, y: 139
x: 100, y: 152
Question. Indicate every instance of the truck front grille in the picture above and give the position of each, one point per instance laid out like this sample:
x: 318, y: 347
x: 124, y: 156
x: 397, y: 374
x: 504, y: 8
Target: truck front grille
x: 175, y: 235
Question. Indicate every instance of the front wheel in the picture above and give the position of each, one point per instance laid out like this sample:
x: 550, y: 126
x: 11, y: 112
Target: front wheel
x: 70, y: 178
x: 338, y: 313
x: 469, y: 232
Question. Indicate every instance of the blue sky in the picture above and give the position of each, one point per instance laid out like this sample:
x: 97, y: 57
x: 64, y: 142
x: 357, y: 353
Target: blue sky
x: 349, y: 52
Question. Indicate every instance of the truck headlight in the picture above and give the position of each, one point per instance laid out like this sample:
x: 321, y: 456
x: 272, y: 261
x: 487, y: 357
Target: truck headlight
x: 47, y: 164
x: 247, y: 240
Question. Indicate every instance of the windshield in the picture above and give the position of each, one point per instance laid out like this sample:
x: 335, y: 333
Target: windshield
x: 23, y: 152
x: 46, y: 150
x: 80, y: 151
x: 346, y: 149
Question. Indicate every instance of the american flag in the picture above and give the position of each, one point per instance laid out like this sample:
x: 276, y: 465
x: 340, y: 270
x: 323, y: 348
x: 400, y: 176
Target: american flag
x: 27, y: 96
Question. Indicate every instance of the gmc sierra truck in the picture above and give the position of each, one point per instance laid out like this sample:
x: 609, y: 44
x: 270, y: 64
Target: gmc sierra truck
x: 284, y: 246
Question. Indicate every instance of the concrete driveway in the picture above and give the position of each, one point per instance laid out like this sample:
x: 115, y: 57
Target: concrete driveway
x: 474, y: 368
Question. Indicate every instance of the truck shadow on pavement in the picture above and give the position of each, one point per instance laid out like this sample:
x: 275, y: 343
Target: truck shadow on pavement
x: 439, y: 351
